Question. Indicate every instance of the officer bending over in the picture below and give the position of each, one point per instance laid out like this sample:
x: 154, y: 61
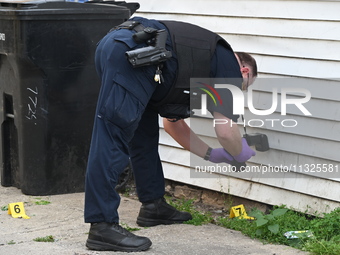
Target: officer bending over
x: 140, y: 80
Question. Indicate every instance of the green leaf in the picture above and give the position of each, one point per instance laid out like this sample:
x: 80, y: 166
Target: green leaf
x: 259, y: 232
x: 269, y: 217
x: 260, y: 222
x: 279, y: 212
x: 274, y: 228
x: 256, y: 214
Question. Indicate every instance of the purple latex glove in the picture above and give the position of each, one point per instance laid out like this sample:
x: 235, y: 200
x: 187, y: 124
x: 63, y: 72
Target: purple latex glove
x: 246, y: 152
x: 220, y: 155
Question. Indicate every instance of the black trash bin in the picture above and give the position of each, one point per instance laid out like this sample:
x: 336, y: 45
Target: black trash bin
x: 48, y: 90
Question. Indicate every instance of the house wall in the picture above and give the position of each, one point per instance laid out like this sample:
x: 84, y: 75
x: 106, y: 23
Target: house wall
x: 296, y: 45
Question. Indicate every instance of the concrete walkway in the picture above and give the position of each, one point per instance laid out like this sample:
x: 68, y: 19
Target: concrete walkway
x: 63, y: 219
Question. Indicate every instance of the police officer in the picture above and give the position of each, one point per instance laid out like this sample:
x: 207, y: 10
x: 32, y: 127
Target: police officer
x: 126, y: 121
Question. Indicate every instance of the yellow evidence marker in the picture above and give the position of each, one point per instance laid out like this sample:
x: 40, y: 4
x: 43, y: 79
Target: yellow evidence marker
x: 239, y: 212
x: 17, y: 210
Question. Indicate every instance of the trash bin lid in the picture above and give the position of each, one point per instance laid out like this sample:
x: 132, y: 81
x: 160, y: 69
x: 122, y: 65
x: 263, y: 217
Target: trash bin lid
x: 52, y: 10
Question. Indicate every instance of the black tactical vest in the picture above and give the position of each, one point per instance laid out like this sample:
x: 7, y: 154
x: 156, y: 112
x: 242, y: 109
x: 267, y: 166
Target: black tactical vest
x: 194, y: 47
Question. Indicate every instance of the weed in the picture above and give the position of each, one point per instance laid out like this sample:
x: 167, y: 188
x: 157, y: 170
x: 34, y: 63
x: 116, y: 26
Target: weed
x: 41, y: 202
x: 45, y: 239
x: 4, y: 208
x: 328, y: 226
x: 124, y: 225
x: 265, y: 223
x: 126, y: 192
x: 326, y: 231
x: 322, y: 247
x: 198, y: 218
x: 11, y: 242
x: 245, y: 226
x: 271, y: 227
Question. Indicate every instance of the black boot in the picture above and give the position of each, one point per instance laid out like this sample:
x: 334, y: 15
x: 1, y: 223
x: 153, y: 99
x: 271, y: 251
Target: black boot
x: 160, y: 212
x: 112, y: 237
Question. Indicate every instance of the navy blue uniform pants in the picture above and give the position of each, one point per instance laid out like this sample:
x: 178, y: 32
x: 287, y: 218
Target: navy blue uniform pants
x: 124, y: 126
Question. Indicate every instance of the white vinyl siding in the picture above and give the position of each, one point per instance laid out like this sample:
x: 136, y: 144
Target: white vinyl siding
x: 289, y: 39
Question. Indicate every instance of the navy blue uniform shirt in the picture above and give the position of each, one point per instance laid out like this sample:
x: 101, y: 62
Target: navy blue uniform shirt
x: 223, y: 65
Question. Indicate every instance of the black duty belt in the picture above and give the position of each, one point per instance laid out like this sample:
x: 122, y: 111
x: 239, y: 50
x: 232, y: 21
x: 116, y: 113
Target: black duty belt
x: 131, y: 25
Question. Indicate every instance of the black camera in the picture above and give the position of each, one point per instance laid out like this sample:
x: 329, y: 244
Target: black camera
x: 149, y: 55
x: 259, y: 140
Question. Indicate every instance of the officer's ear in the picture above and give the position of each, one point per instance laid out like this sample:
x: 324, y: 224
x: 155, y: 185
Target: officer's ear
x: 245, y: 70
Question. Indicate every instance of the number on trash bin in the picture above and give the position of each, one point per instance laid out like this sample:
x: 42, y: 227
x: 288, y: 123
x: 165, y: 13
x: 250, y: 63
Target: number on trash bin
x: 32, y: 106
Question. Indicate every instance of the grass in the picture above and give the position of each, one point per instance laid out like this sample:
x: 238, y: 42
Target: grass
x: 127, y: 227
x: 41, y: 202
x: 45, y: 239
x: 271, y: 227
x: 198, y: 218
